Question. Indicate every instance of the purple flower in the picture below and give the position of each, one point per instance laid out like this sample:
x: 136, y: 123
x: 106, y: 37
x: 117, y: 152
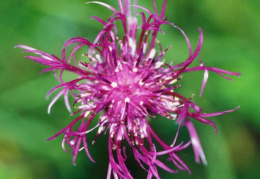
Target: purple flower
x: 126, y: 82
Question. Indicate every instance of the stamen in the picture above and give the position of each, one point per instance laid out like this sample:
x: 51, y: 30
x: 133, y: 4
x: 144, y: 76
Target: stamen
x: 127, y: 100
x: 114, y: 84
x: 158, y: 64
x: 85, y: 94
x: 173, y: 81
x: 141, y: 82
x: 87, y: 113
x: 100, y: 129
x: 152, y: 54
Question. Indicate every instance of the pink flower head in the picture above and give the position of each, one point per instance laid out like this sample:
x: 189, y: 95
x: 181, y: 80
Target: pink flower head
x: 126, y: 82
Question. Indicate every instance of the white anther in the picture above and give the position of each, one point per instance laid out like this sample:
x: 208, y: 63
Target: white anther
x: 132, y: 46
x: 100, y: 129
x: 127, y: 100
x: 86, y: 114
x: 141, y: 103
x: 135, y: 70
x: 152, y: 53
x: 85, y: 94
x: 102, y: 118
x: 175, y: 103
x: 131, y: 42
x: 158, y: 64
x: 168, y: 78
x: 119, y: 137
x: 173, y: 81
x: 105, y: 88
x: 114, y: 84
x: 174, y: 116
x: 98, y: 57
x: 141, y: 82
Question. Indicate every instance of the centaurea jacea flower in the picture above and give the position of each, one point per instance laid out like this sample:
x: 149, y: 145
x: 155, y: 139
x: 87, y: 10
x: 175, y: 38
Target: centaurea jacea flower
x: 126, y: 82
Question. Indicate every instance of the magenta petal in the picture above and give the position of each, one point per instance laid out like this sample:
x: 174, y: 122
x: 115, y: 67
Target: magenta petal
x: 195, y: 141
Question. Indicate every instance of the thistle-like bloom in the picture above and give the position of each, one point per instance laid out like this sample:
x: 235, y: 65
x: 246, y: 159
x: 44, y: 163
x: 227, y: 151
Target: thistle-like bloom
x: 124, y: 82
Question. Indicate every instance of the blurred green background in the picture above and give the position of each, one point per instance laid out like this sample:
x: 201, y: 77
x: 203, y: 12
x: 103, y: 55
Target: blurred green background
x: 231, y: 41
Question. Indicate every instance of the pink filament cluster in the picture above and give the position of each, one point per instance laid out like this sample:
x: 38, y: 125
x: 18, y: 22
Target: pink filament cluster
x: 127, y: 81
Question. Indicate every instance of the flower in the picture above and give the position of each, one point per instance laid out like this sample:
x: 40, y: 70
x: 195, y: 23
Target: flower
x: 125, y: 82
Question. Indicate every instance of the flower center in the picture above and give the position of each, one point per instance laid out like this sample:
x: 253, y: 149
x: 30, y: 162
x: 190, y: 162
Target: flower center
x: 128, y: 84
